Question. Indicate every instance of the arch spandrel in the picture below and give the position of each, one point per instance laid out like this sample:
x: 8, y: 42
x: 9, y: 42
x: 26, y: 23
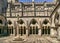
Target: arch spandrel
x: 22, y: 24
x: 34, y: 25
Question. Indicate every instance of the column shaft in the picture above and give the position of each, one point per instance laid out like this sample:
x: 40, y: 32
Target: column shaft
x: 53, y: 24
x: 35, y: 30
x: 26, y: 32
x: 11, y: 31
x: 47, y: 30
x: 39, y: 32
x: 52, y: 32
x: 14, y: 32
x: 17, y: 31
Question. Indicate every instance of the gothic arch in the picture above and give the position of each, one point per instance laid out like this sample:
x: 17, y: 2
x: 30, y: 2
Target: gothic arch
x: 33, y: 27
x: 33, y: 21
x: 20, y: 21
x: 45, y: 21
x: 45, y: 27
x: 22, y: 27
x: 9, y: 22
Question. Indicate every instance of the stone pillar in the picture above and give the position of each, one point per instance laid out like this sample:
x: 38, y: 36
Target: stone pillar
x: 27, y: 32
x: 39, y: 32
x: 53, y: 24
x: 11, y: 32
x: 58, y: 33
x: 14, y: 32
x: 17, y: 31
x: 52, y: 32
x: 47, y: 30
x: 35, y: 29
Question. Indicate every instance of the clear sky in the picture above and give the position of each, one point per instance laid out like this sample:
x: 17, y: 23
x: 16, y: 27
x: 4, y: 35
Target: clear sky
x: 36, y: 0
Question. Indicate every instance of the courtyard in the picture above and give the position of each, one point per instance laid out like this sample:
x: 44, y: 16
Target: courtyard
x: 30, y: 39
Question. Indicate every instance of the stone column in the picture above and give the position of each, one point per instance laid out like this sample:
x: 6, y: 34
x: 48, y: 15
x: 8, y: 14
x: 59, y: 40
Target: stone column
x: 17, y: 31
x: 52, y: 32
x: 27, y: 32
x: 53, y: 24
x: 35, y: 29
x: 39, y: 32
x: 47, y: 30
x: 58, y: 33
x: 52, y: 27
x: 14, y: 32
x: 11, y: 32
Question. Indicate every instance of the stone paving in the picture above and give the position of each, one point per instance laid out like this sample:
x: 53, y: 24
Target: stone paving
x: 30, y: 40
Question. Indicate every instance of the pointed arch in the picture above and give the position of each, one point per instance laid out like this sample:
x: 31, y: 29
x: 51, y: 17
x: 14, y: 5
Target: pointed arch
x: 33, y: 21
x: 45, y: 21
x: 9, y: 22
x: 20, y: 21
x: 33, y: 27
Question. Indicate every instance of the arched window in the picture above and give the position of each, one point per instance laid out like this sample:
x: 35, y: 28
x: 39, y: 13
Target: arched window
x: 20, y: 21
x: 9, y: 22
x: 45, y: 21
x: 1, y: 22
x: 33, y: 21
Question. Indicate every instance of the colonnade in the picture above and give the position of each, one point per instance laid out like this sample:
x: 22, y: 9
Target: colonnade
x: 34, y: 30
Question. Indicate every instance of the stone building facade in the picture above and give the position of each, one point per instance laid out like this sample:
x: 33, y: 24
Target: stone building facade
x: 30, y: 18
